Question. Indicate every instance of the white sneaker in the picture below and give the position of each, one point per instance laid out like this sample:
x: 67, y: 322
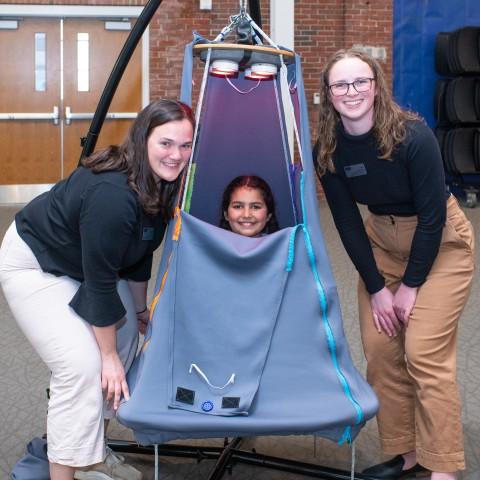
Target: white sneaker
x: 112, y: 468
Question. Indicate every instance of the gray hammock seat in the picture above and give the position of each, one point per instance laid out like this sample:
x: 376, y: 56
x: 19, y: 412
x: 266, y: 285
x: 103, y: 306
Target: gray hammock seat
x: 246, y: 334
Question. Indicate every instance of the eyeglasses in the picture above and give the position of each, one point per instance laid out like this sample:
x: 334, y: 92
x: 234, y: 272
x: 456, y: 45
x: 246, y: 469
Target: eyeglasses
x: 360, y: 85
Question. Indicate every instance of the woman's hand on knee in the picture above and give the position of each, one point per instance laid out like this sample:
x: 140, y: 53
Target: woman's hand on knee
x: 383, y: 311
x: 114, y: 382
x: 404, y: 301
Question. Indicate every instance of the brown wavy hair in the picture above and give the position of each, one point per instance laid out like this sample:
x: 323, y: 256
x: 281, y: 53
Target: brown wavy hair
x: 131, y: 157
x: 389, y: 118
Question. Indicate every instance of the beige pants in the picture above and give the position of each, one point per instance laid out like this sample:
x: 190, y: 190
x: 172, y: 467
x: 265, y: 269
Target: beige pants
x: 65, y: 342
x: 414, y: 374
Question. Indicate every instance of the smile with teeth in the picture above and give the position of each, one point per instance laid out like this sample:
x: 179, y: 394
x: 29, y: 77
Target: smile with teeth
x: 353, y: 102
x: 171, y: 164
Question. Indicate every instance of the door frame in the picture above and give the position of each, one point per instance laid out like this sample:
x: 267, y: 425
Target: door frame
x: 20, y: 194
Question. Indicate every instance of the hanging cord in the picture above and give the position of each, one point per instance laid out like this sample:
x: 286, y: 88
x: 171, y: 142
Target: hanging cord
x: 260, y: 31
x: 352, y: 471
x: 234, y: 21
x: 285, y: 87
x: 195, y: 367
x: 242, y: 91
x: 227, y: 30
x: 197, y: 124
x: 156, y: 461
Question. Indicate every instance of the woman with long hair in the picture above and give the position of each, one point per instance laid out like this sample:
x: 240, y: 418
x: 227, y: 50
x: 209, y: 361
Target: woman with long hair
x: 414, y: 254
x: 74, y: 267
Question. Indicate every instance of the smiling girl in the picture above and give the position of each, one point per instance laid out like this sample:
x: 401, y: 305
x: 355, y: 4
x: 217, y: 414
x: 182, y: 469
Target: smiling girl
x: 248, y: 207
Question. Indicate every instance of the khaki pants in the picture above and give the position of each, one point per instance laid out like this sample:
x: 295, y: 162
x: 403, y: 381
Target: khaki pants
x: 414, y: 373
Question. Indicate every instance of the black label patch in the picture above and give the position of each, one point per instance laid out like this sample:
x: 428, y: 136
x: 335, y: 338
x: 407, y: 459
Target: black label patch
x: 230, y: 402
x: 184, y: 395
x: 148, y: 233
x: 356, y: 170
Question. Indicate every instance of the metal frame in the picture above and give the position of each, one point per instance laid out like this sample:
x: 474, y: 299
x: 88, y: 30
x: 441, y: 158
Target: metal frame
x: 230, y: 454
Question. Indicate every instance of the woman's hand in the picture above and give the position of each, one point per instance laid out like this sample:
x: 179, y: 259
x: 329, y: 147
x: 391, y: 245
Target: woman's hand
x: 113, y: 379
x: 404, y: 301
x: 142, y: 319
x: 139, y: 293
x: 384, y: 315
x: 113, y: 373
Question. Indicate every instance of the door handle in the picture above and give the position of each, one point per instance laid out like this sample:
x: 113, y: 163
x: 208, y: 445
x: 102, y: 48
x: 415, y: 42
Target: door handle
x: 69, y: 115
x: 54, y: 116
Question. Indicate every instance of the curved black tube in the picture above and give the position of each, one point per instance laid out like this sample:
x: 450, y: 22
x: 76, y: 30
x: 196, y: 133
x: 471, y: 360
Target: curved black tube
x: 89, y: 142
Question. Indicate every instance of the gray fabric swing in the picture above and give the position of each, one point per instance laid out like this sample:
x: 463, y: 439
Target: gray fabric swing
x: 246, y: 336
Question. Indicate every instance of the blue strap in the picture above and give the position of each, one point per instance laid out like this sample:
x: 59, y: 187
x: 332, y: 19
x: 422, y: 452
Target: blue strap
x: 291, y: 248
x: 324, y: 308
x: 346, y: 436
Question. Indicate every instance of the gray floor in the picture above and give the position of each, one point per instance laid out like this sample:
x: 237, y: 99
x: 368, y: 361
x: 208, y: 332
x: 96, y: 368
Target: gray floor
x: 24, y: 379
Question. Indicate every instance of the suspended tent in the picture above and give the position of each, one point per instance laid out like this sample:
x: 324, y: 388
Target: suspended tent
x: 246, y: 336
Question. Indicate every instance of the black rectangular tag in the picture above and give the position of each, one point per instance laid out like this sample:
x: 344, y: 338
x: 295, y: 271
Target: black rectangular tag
x: 148, y: 233
x: 230, y: 402
x: 185, y: 395
x: 356, y: 170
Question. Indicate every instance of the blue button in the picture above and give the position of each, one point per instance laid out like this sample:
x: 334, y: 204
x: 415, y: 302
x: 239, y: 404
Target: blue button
x: 207, y: 406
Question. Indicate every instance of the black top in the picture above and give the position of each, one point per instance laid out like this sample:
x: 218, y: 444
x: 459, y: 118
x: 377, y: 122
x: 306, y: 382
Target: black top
x: 411, y: 183
x: 91, y: 228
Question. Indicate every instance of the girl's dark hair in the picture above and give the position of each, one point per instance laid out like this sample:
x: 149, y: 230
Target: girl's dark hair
x: 250, y: 181
x: 131, y: 157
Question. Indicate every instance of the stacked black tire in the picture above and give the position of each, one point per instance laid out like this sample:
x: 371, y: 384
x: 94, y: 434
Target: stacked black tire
x: 457, y: 104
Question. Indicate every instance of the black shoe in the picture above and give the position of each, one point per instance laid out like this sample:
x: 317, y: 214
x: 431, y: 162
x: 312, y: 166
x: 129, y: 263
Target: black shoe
x: 393, y: 470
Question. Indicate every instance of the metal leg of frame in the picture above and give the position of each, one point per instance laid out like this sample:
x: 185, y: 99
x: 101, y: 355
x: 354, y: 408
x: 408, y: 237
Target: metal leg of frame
x: 227, y: 456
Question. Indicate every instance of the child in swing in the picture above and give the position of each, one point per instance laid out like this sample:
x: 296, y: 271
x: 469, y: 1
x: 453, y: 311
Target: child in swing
x: 248, y: 207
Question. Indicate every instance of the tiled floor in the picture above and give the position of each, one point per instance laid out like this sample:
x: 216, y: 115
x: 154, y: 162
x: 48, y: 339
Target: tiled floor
x: 24, y: 378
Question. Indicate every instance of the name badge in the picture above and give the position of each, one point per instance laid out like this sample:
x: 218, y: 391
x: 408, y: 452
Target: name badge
x: 148, y: 233
x: 356, y: 170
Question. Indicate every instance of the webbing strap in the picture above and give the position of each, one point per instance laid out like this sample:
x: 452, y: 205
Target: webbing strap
x: 332, y: 347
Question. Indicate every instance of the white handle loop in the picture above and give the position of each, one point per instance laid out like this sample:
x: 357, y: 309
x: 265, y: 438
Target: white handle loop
x: 207, y: 381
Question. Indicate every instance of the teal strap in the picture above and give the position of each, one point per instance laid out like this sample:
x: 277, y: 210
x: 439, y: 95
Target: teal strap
x: 324, y: 308
x: 346, y: 436
x: 291, y: 248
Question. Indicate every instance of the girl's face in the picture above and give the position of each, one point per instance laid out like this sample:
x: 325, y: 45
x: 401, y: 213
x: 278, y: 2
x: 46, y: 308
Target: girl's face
x: 355, y: 108
x: 247, y: 212
x: 169, y: 146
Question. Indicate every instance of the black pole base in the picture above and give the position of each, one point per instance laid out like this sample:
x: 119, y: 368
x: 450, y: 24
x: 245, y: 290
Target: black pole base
x: 230, y: 454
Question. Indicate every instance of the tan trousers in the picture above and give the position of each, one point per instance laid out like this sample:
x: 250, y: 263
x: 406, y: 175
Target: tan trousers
x: 414, y: 373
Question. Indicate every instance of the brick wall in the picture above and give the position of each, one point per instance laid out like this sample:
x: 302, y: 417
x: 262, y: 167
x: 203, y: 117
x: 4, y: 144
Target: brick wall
x: 324, y: 26
x: 321, y: 28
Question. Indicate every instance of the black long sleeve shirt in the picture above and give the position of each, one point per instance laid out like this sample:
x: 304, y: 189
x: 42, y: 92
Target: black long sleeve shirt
x: 411, y: 183
x: 91, y: 228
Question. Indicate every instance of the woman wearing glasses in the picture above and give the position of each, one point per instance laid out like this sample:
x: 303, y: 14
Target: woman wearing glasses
x: 414, y: 254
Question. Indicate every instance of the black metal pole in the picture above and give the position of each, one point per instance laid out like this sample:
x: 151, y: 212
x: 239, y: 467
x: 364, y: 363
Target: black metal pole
x: 254, y: 10
x: 89, y: 142
x: 225, y: 459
